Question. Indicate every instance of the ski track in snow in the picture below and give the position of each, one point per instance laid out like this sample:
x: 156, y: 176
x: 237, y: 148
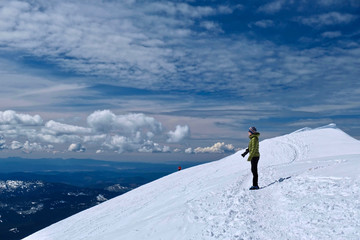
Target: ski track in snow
x: 308, y: 192
x: 300, y: 207
x: 299, y: 204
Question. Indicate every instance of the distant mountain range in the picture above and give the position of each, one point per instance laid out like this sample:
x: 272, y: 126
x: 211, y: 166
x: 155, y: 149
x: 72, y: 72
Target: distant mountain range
x: 27, y: 206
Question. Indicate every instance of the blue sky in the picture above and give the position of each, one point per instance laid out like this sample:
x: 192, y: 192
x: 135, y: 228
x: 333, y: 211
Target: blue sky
x: 173, y: 76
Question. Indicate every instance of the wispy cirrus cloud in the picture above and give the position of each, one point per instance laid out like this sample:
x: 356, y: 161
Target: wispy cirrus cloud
x: 158, y: 45
x: 327, y: 3
x: 124, y: 40
x: 263, y: 23
x: 327, y: 19
x: 272, y: 7
x: 333, y: 34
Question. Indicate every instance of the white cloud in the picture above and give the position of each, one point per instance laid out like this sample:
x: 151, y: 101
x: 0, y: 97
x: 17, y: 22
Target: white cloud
x: 120, y: 133
x: 95, y: 138
x: 10, y: 117
x: 2, y: 143
x: 272, y: 7
x: 179, y: 134
x: 133, y: 46
x: 142, y: 44
x: 31, y: 147
x: 56, y: 128
x: 106, y: 121
x: 211, y: 26
x: 121, y: 144
x: 157, y: 45
x: 189, y: 150
x: 152, y: 147
x: 150, y: 135
x: 145, y: 45
x: 351, y: 3
x: 327, y: 19
x: 166, y: 149
x: 101, y: 121
x: 177, y: 150
x: 51, y: 90
x: 15, y: 145
x: 182, y: 9
x: 263, y: 23
x: 28, y: 89
x: 219, y: 147
x: 333, y: 34
x: 47, y: 138
x: 76, y: 147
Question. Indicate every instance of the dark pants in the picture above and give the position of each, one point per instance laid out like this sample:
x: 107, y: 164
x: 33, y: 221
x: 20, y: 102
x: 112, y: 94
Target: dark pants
x: 254, y: 163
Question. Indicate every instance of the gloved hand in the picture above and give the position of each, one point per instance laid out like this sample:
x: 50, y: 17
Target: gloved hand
x: 246, y: 152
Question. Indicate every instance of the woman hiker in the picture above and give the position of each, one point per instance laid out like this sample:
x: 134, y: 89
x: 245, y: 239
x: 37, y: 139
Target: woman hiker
x: 254, y: 156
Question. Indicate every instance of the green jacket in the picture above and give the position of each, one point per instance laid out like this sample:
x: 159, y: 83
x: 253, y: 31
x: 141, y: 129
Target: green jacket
x: 254, y: 146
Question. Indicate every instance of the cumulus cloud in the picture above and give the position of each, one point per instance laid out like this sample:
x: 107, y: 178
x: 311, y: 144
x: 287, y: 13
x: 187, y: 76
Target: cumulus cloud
x: 29, y: 147
x: 107, y: 121
x: 56, y: 128
x: 101, y: 121
x: 166, y: 149
x: 120, y: 133
x: 152, y: 147
x: 10, y: 117
x: 219, y: 147
x: 56, y: 139
x: 105, y: 131
x: 189, y: 150
x: 76, y: 147
x: 15, y: 145
x: 2, y: 143
x: 179, y: 134
x: 121, y: 144
x: 128, y: 132
x: 95, y: 138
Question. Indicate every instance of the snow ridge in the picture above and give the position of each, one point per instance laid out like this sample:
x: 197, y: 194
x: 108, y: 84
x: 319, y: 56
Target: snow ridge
x: 310, y: 190
x: 331, y: 125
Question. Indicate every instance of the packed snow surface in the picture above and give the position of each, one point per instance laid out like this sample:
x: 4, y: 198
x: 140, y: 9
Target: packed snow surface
x: 310, y: 190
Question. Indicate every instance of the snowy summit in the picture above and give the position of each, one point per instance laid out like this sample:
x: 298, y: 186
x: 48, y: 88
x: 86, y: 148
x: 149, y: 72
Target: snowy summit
x: 310, y: 189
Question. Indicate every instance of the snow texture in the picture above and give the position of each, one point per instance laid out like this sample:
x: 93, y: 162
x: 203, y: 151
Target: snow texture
x: 310, y: 190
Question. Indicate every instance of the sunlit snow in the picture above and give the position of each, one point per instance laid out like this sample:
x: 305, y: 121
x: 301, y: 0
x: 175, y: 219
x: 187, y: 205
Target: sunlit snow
x: 310, y: 190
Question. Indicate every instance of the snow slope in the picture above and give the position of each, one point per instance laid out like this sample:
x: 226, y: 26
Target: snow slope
x: 311, y: 190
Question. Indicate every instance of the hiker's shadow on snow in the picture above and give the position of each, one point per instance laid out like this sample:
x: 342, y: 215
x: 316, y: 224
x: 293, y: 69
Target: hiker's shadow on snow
x: 277, y: 181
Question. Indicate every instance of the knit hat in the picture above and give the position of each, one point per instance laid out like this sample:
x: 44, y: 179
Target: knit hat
x: 252, y: 130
